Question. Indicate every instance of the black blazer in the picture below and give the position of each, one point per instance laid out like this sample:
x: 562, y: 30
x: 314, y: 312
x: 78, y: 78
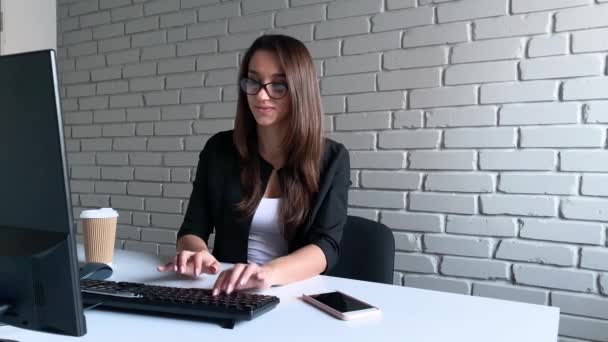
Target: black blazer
x: 217, y: 189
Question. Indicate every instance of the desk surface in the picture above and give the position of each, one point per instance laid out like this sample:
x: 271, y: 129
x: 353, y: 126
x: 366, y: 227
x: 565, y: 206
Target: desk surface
x: 408, y: 314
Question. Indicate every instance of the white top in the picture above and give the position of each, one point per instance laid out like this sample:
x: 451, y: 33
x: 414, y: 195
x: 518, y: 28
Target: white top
x: 266, y: 241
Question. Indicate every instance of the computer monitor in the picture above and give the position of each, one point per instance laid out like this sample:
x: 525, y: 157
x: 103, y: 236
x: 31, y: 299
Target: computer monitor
x: 39, y: 284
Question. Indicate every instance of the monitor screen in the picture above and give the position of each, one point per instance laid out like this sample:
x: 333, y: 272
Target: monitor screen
x: 39, y: 285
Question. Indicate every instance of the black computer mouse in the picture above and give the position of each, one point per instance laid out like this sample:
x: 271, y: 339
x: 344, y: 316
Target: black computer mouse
x: 95, y: 271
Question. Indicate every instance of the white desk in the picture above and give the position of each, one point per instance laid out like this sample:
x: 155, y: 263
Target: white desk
x: 408, y: 314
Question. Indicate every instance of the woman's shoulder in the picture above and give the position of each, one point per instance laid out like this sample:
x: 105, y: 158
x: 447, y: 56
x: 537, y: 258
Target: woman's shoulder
x: 334, y: 152
x: 221, y: 141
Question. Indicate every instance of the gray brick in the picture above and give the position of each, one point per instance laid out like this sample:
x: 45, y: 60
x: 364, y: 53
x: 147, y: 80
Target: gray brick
x: 82, y: 186
x: 471, y: 9
x: 352, y: 64
x: 136, y: 11
x: 363, y: 121
x: 112, y: 87
x: 409, y: 79
x: 179, y: 128
x: 442, y: 160
x: 106, y: 74
x: 537, y: 160
x: 83, y: 49
x: 459, y: 182
x: 84, y: 172
x: 149, y: 38
x: 146, y: 129
x: 113, y: 158
x: 374, y: 42
x: 152, y: 174
x: 512, y: 26
x: 223, y: 11
x: 417, y: 222
x: 86, y: 131
x: 562, y: 66
x: 117, y: 173
x: 519, y: 205
x: 583, y: 305
x: 414, y: 58
x: 143, y: 158
x: 402, y: 19
x: 443, y: 97
x: 343, y: 9
x: 540, y: 114
x: 300, y: 15
x: 521, y: 6
x: 435, y: 283
x: 163, y: 205
x: 407, y: 242
x: 144, y: 189
x: 95, y: 19
x: 114, y: 44
x: 398, y: 4
x: 123, y: 57
x: 250, y: 23
x: 221, y: 77
x: 542, y: 253
x: 165, y: 144
x: 481, y: 72
x: 79, y: 158
x: 376, y: 199
x: 178, y: 19
x: 147, y: 83
x: 474, y: 268
x: 197, y: 3
x: 604, y: 284
x: 143, y: 114
x: 418, y: 263
x: 158, y: 235
x: 507, y: 92
x: 569, y: 19
x: 342, y: 27
x: 104, y: 4
x: 160, y: 98
x: 594, y: 185
x: 355, y: 141
x: 461, y: 117
x: 109, y: 31
x: 377, y: 160
x: 359, y: 83
x: 180, y: 175
x: 480, y: 138
x: 91, y: 200
x: 81, y: 90
x: 366, y: 213
x: 590, y: 41
x: 177, y: 65
x: 142, y: 25
x: 216, y: 28
x: 141, y: 219
x: 83, y: 7
x: 130, y: 144
x: 111, y: 187
x: 436, y: 35
x: 166, y: 220
x: 128, y: 232
x: 121, y: 101
x: 333, y: 104
x: 376, y: 101
x: 574, y: 280
x: 198, y: 95
x: 489, y: 50
x: 442, y: 203
x: 507, y: 292
x: 585, y: 88
x: 96, y: 144
x: 458, y: 245
x: 79, y: 36
x: 176, y: 35
x: 408, y: 119
x: 161, y: 6
x: 595, y: 258
x: 154, y: 52
x: 254, y: 6
x: 539, y: 184
x: 584, y: 209
x: 582, y: 327
x: 217, y: 61
x: 484, y: 226
x: 324, y: 48
x: 219, y: 110
x: 409, y: 139
x: 197, y: 47
x: 180, y: 112
x: 563, y: 231
x: 303, y: 33
x: 177, y: 190
x: 91, y: 62
x: 591, y: 161
x: 548, y: 46
x: 391, y: 180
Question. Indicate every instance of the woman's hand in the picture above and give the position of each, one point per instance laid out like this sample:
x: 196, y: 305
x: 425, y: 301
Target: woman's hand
x: 192, y: 263
x: 242, y: 277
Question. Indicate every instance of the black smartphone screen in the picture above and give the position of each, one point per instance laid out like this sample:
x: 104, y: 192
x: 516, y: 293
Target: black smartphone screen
x: 340, y: 302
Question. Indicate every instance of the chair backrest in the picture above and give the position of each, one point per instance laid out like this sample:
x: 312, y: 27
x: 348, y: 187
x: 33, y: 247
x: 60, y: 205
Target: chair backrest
x: 367, y: 252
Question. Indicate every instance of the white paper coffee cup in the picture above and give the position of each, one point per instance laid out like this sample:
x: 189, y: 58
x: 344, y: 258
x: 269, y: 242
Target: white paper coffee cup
x: 99, y: 227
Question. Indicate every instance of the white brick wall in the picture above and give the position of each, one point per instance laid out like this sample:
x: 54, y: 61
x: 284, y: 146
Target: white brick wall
x: 477, y: 128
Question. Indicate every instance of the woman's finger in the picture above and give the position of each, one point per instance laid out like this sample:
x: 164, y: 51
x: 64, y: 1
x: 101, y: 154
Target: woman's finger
x: 166, y: 267
x: 250, y: 270
x: 197, y: 263
x: 234, y: 276
x: 219, y: 282
x: 182, y: 260
x: 210, y: 264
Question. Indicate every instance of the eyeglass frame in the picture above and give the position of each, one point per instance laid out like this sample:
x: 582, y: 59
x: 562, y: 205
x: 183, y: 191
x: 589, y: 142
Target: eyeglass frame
x: 262, y: 86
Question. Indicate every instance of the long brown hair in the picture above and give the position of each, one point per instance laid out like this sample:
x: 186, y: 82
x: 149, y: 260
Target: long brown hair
x: 303, y: 141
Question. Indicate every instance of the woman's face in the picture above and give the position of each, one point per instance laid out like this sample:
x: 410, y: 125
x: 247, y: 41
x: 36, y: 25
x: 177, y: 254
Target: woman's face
x: 267, y: 109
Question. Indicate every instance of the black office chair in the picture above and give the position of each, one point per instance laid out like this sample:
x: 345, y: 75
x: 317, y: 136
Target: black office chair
x: 367, y: 252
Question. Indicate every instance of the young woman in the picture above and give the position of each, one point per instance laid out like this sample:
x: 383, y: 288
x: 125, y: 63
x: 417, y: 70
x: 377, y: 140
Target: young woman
x: 274, y: 189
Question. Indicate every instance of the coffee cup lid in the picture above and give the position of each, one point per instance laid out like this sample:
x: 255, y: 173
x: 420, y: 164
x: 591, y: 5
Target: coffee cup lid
x: 99, y: 213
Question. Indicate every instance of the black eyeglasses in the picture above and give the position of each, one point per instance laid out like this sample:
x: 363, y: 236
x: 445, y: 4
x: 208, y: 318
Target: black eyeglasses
x: 275, y: 90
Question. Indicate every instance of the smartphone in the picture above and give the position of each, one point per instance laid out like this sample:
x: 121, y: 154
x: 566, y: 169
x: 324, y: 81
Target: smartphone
x: 341, y: 305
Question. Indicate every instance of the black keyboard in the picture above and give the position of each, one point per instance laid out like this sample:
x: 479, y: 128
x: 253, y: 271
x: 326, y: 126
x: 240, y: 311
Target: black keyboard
x: 226, y: 309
